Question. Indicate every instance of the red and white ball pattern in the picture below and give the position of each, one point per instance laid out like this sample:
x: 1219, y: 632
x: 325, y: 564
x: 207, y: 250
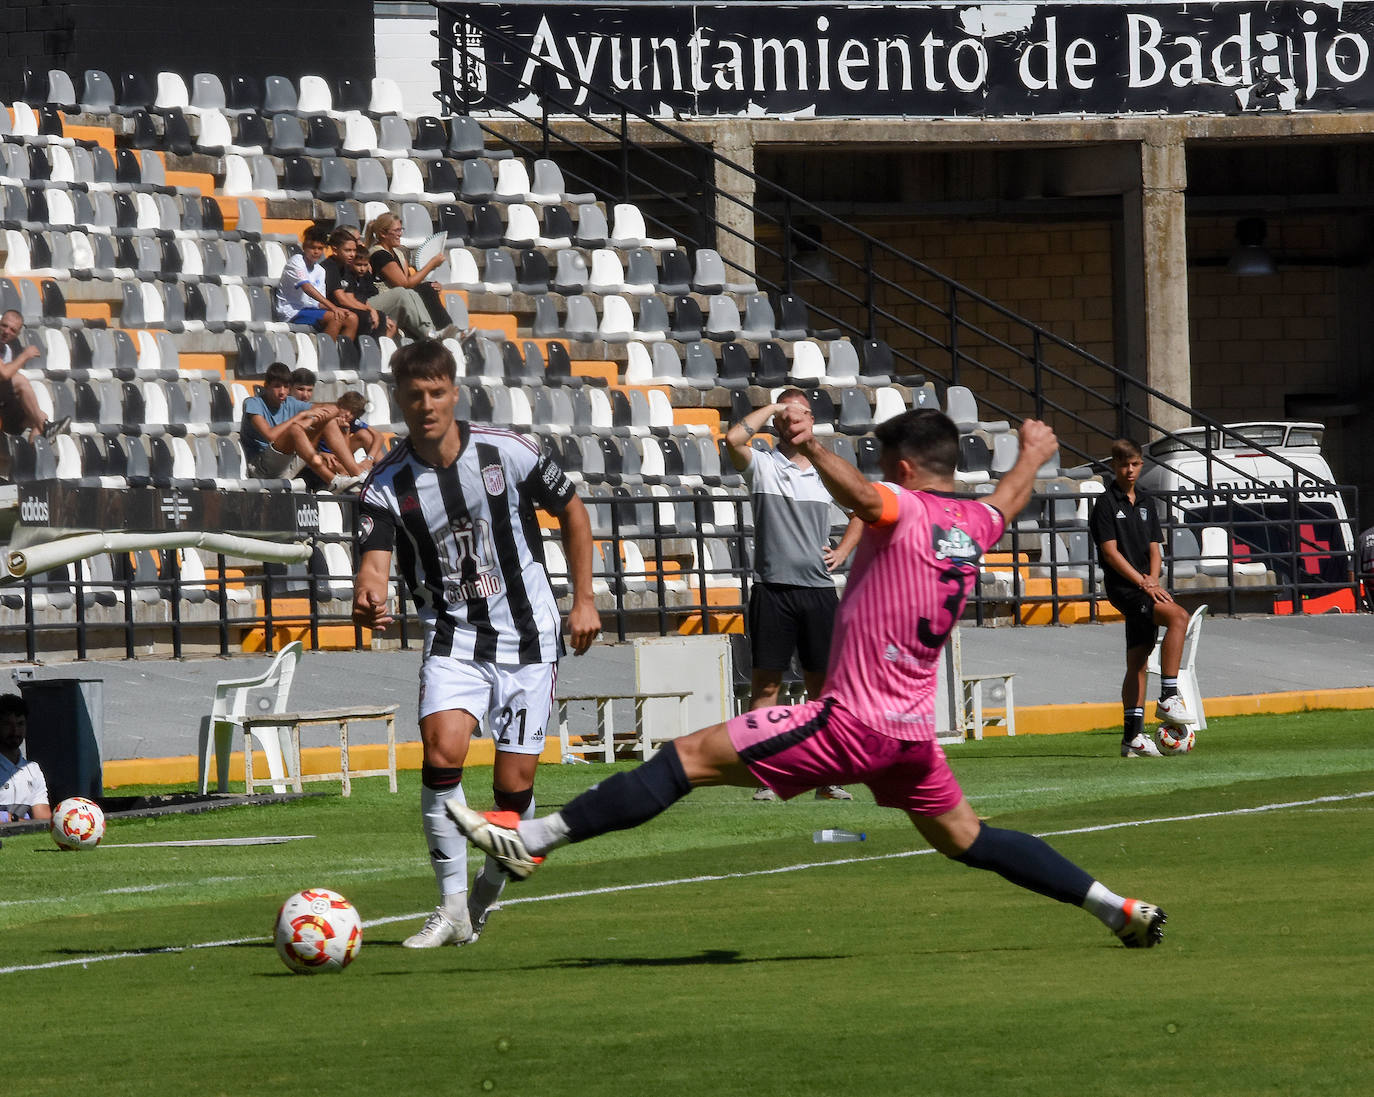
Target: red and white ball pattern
x: 1172, y: 740
x: 318, y: 930
x: 78, y: 823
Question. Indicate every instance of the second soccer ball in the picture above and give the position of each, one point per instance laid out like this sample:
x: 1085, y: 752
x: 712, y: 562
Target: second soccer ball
x: 1172, y: 740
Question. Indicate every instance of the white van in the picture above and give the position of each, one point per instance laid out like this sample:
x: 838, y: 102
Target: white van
x: 1261, y: 519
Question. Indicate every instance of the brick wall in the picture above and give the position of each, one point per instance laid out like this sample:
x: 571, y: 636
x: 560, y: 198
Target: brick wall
x: 1256, y: 340
x: 1057, y: 276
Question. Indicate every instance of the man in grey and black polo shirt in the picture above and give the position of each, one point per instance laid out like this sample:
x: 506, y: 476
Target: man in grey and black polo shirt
x: 792, y: 604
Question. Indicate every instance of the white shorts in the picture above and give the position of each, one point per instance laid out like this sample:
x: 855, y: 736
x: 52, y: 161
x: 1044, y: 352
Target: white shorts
x: 512, y: 704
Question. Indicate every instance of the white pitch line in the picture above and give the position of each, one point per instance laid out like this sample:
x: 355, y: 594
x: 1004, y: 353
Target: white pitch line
x: 712, y: 878
x: 265, y: 840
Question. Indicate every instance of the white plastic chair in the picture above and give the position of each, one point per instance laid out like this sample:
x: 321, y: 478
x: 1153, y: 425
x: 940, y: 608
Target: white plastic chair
x: 231, y: 706
x: 1187, y: 668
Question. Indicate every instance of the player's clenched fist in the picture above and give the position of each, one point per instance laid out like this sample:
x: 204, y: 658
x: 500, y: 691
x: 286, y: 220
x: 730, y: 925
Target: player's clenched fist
x: 794, y: 423
x: 1038, y: 440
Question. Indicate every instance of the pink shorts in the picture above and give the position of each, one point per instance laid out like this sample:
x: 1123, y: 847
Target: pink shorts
x: 793, y: 748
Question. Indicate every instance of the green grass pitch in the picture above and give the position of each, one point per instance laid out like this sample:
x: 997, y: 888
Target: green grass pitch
x: 717, y: 950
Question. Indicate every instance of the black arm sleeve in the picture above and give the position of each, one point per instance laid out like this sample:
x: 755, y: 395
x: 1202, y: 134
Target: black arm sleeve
x: 547, y: 486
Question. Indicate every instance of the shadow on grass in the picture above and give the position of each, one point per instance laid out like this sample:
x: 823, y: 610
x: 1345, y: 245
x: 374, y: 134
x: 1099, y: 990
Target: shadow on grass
x: 716, y: 957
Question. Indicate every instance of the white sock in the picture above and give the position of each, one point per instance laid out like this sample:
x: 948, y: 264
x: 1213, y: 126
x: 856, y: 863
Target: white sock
x: 448, y: 849
x: 542, y: 835
x: 488, y: 884
x: 1108, y: 907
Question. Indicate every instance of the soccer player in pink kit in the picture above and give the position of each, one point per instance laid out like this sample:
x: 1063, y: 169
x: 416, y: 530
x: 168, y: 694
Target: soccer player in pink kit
x: 875, y: 720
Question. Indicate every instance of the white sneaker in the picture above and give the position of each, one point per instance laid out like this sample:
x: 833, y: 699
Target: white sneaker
x: 1173, y: 711
x: 343, y: 483
x: 833, y: 792
x: 440, y: 929
x: 764, y: 795
x: 495, y: 833
x: 1142, y: 746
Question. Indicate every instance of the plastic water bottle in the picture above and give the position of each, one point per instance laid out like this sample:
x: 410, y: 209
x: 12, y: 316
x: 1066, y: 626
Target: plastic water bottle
x: 838, y: 836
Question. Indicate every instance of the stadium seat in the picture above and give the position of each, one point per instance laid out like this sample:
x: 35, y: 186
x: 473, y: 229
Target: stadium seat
x: 1188, y: 684
x: 467, y: 141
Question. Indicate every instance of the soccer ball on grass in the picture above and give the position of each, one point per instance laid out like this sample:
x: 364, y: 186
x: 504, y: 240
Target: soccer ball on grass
x: 78, y: 823
x: 1172, y: 740
x: 318, y: 930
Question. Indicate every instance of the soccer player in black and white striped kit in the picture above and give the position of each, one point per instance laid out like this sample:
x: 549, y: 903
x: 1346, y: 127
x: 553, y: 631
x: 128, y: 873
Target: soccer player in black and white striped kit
x: 456, y: 502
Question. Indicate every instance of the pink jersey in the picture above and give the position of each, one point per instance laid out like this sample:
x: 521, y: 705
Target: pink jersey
x: 911, y: 575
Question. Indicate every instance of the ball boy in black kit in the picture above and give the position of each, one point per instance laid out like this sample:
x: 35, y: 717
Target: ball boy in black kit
x: 1125, y: 527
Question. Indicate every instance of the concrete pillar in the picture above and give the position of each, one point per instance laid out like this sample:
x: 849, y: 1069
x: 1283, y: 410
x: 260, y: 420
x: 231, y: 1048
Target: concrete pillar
x: 735, y: 196
x: 1156, y: 274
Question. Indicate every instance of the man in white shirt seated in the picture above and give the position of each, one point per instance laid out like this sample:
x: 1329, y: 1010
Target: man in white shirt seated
x: 23, y: 791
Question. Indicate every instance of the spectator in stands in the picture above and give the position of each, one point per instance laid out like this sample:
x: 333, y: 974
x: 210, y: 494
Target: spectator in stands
x: 793, y: 600
x: 23, y: 790
x: 1125, y: 528
x: 383, y: 245
x: 344, y: 289
x: 302, y: 385
x: 407, y: 307
x: 301, y: 292
x: 274, y: 424
x: 342, y: 470
x: 19, y: 408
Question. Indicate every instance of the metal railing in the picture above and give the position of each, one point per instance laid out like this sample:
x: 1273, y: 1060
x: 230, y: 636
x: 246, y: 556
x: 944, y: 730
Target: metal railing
x: 697, y: 580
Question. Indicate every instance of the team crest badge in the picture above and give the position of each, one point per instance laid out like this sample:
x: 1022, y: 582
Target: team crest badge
x: 365, y: 526
x: 494, y: 479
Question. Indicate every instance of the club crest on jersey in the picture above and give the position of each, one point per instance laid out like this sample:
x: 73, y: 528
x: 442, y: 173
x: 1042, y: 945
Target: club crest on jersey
x: 494, y: 478
x: 954, y: 544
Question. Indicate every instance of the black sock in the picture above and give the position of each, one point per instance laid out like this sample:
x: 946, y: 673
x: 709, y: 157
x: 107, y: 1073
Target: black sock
x: 517, y: 802
x: 1132, y: 724
x: 625, y: 800
x: 1029, y: 863
x: 1168, y: 687
x: 440, y: 777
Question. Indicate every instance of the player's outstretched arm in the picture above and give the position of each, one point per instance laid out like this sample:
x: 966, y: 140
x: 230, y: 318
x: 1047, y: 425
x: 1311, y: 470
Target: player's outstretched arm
x: 1038, y: 444
x: 846, y: 484
x: 575, y: 531
x: 369, y: 591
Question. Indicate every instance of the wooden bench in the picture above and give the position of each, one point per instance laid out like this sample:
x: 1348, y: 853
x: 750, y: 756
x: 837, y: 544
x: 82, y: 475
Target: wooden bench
x: 606, y: 738
x: 340, y: 716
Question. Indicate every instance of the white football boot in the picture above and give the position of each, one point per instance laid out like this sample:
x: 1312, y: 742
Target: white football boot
x: 1144, y: 926
x: 496, y: 834
x: 441, y: 929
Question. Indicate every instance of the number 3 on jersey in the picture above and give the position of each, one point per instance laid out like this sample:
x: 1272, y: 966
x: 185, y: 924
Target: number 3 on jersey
x: 927, y: 631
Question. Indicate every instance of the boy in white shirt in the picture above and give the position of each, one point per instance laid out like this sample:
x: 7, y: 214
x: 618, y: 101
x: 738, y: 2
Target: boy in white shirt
x: 301, y: 292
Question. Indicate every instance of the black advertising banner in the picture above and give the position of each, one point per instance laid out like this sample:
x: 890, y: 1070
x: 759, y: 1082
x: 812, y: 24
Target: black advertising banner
x: 897, y: 60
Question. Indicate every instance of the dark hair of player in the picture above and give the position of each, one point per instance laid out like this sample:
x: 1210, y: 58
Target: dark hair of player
x: 925, y: 437
x: 424, y: 359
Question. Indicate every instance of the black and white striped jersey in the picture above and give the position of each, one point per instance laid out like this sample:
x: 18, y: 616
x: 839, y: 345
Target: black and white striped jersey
x: 467, y: 544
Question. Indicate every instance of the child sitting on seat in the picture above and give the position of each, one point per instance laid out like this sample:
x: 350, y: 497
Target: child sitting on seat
x: 301, y: 292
